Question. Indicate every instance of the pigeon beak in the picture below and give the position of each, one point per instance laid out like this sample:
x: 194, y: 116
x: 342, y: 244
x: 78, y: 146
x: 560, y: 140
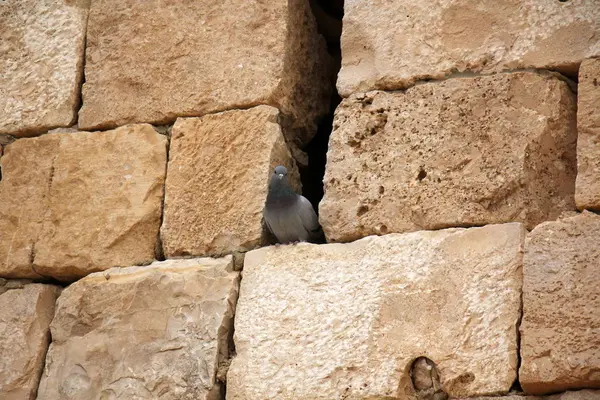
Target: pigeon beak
x: 280, y: 176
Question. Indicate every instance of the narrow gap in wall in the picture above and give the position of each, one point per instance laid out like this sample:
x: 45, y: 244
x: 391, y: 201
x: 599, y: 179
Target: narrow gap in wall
x: 516, y: 386
x: 81, y: 78
x: 328, y: 14
x: 159, y: 253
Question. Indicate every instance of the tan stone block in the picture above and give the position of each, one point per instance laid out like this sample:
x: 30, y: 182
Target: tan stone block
x: 151, y: 332
x: 587, y: 188
x: 576, y: 395
x: 76, y: 203
x: 560, y: 344
x: 346, y: 321
x: 154, y: 61
x: 392, y: 44
x: 461, y: 152
x: 25, y: 314
x: 41, y: 60
x: 217, y: 181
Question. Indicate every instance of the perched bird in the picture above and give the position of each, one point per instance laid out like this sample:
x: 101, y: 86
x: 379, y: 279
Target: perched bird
x: 289, y: 216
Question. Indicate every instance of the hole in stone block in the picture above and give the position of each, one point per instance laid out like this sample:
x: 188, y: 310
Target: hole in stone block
x: 425, y: 379
x: 422, y: 174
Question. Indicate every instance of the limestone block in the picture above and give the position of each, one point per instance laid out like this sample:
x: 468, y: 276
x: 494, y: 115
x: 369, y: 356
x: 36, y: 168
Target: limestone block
x: 25, y: 314
x: 346, y: 321
x: 153, y: 61
x: 76, y: 203
x: 587, y: 188
x: 392, y: 44
x: 217, y: 181
x: 41, y: 60
x: 576, y: 395
x: 560, y: 344
x: 461, y: 152
x: 143, y: 333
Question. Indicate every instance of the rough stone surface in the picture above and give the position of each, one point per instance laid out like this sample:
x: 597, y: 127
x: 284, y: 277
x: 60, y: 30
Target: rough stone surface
x: 462, y: 152
x: 587, y: 189
x: 25, y: 314
x: 392, y: 44
x: 41, y: 61
x: 576, y: 395
x: 76, y: 203
x: 218, y: 174
x: 560, y: 332
x: 143, y: 333
x: 153, y: 61
x: 346, y: 321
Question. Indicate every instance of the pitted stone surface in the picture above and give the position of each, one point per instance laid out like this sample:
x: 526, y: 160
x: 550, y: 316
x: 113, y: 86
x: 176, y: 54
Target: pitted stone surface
x: 587, y: 192
x: 461, y: 152
x: 392, y: 44
x: 76, y: 203
x: 346, y: 321
x: 560, y: 341
x: 154, y: 61
x: 150, y: 332
x: 26, y: 310
x: 41, y: 63
x: 217, y: 180
x: 575, y: 395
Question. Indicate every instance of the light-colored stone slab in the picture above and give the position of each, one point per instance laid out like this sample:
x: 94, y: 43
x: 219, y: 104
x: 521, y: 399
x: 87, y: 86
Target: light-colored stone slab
x: 76, y: 203
x: 576, y: 395
x: 143, y: 333
x: 217, y: 181
x: 587, y: 189
x: 392, y: 44
x: 41, y: 63
x: 346, y: 321
x: 25, y: 313
x: 154, y: 61
x: 560, y: 332
x: 461, y: 152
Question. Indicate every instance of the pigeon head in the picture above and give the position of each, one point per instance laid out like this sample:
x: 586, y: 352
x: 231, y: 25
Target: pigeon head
x: 280, y: 172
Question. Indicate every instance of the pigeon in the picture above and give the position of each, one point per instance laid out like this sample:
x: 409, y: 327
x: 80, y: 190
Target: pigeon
x: 289, y: 216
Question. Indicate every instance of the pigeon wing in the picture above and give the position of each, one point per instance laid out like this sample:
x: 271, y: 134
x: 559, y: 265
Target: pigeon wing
x: 307, y: 214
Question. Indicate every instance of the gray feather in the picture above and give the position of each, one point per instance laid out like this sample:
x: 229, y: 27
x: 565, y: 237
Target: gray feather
x: 289, y: 216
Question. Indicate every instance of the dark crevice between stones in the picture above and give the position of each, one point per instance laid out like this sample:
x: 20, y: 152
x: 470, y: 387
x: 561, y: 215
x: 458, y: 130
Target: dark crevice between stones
x: 81, y: 79
x: 328, y: 15
x: 159, y: 253
x: 516, y: 386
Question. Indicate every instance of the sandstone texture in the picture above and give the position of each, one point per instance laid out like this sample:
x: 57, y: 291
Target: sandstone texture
x: 392, y: 44
x: 560, y: 341
x: 153, y: 61
x: 461, y: 152
x: 576, y: 395
x: 143, y: 333
x: 81, y: 202
x: 587, y: 188
x: 217, y: 181
x: 41, y: 61
x: 26, y: 310
x: 346, y: 321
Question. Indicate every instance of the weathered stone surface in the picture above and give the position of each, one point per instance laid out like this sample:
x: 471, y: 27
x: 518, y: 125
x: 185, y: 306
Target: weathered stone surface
x: 560, y: 340
x: 218, y: 174
x: 346, y: 321
x: 392, y: 44
x: 42, y: 63
x: 587, y: 189
x: 25, y: 314
x: 577, y: 395
x: 76, y: 203
x: 153, y: 61
x: 143, y: 332
x: 461, y: 152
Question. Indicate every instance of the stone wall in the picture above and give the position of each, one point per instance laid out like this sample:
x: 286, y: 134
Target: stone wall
x: 460, y: 209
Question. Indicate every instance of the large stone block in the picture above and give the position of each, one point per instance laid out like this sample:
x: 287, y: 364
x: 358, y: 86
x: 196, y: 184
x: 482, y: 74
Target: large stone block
x: 143, y: 332
x: 560, y: 340
x: 393, y: 44
x: 217, y: 181
x: 75, y: 203
x: 576, y: 395
x: 41, y: 61
x: 587, y: 189
x: 346, y: 321
x: 152, y: 61
x: 461, y: 152
x: 25, y: 313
